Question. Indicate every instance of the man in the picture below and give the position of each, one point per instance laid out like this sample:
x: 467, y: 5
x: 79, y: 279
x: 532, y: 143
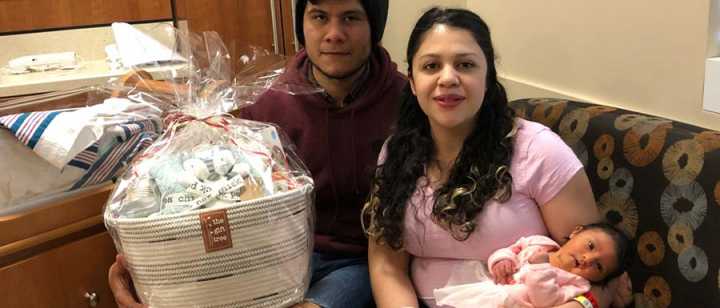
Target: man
x: 337, y: 133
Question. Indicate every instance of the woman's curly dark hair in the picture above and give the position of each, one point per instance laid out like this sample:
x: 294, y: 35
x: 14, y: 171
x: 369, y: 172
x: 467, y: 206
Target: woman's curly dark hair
x: 479, y: 173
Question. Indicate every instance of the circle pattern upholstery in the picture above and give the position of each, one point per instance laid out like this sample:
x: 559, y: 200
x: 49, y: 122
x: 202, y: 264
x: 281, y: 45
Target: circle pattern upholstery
x: 656, y: 179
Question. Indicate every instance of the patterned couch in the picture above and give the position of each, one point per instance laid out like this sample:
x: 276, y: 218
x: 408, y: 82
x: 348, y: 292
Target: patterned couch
x: 658, y: 180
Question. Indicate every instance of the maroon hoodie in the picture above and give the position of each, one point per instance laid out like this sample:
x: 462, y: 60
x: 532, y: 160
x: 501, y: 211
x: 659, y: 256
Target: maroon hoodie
x: 339, y: 146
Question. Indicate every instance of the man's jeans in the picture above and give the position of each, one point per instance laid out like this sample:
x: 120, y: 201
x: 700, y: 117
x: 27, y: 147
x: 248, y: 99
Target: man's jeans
x: 339, y: 281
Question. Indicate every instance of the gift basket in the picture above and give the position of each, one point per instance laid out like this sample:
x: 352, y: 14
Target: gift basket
x: 218, y: 211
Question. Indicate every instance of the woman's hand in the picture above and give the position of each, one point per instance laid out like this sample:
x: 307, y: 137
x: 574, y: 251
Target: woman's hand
x: 616, y: 294
x: 503, y: 271
x: 622, y: 287
x: 121, y: 284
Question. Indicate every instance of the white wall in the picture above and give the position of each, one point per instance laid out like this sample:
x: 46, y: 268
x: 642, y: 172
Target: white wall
x: 401, y: 18
x: 642, y: 55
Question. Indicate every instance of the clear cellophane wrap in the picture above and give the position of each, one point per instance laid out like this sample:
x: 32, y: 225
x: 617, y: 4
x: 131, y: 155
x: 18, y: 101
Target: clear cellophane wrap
x: 218, y: 211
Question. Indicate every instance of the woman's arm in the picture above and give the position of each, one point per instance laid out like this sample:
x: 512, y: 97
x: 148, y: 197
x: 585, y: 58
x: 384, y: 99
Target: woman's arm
x: 604, y: 297
x: 574, y: 205
x: 389, y: 276
x: 570, y: 304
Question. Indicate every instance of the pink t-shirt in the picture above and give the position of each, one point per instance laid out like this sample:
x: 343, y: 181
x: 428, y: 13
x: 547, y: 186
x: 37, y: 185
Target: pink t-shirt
x: 541, y: 166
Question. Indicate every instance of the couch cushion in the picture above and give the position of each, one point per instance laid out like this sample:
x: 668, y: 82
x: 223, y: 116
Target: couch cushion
x: 659, y: 181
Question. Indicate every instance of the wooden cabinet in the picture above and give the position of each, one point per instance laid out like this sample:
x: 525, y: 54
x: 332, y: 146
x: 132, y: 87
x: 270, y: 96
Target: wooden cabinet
x: 241, y: 23
x: 52, y: 255
x: 31, y: 15
x: 267, y: 24
x: 67, y: 276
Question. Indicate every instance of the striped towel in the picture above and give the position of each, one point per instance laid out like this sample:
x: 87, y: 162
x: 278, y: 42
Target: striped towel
x: 109, y: 164
x: 100, y: 139
x: 29, y: 126
x: 56, y: 136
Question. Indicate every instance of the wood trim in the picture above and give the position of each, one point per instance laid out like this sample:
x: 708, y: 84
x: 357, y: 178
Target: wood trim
x: 288, y: 27
x: 44, y: 247
x: 279, y: 26
x: 46, y: 218
x: 47, y: 101
x: 146, y: 21
x: 51, y: 235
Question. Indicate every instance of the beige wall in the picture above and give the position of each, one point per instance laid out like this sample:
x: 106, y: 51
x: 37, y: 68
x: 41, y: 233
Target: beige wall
x: 713, y: 36
x: 642, y: 55
x: 401, y: 18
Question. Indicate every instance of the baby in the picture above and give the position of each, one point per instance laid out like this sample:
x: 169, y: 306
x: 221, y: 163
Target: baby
x: 537, y: 272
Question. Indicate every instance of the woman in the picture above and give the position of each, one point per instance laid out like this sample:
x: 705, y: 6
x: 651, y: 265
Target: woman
x: 461, y: 177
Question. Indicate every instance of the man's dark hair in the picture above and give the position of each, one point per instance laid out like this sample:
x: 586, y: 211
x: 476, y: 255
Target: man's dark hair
x: 376, y: 10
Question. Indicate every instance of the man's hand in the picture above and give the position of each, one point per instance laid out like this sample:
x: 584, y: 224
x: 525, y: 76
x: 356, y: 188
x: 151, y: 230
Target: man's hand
x: 503, y: 271
x: 121, y: 284
x: 306, y: 304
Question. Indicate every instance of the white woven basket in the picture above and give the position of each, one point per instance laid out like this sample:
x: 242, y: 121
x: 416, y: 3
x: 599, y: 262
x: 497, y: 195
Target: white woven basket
x: 267, y: 265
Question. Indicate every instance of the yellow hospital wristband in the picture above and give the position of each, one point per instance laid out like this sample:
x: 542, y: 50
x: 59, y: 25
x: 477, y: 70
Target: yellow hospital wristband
x: 584, y: 301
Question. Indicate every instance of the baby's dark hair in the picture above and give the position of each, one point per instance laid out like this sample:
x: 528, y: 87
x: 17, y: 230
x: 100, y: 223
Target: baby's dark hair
x: 623, y: 248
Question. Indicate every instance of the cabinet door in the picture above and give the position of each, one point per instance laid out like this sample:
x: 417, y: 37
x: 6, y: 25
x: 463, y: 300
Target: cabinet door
x: 83, y: 267
x: 240, y: 23
x: 30, y: 15
x: 31, y: 283
x: 61, y: 277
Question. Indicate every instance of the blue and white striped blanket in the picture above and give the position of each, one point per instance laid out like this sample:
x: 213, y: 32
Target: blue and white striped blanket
x: 99, y: 139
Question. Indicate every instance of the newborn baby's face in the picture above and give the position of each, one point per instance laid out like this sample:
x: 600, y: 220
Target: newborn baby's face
x: 589, y: 254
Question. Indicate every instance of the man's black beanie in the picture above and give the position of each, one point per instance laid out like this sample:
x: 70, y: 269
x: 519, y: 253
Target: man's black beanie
x: 377, y: 12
